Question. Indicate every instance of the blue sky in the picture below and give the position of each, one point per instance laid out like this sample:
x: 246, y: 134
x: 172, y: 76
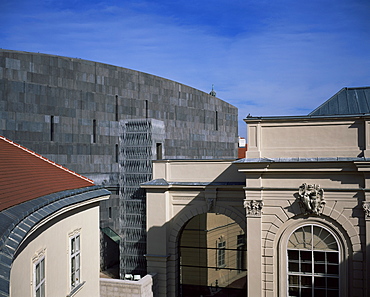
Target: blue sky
x: 282, y: 57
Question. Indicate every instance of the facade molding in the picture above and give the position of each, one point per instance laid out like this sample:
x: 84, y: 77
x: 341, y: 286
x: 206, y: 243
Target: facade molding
x: 280, y: 189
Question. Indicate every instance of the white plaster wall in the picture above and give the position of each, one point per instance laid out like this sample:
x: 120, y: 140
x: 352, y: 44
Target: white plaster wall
x: 196, y: 171
x: 55, y: 243
x: 305, y: 139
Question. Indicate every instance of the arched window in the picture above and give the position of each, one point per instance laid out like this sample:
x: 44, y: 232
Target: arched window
x: 313, y: 262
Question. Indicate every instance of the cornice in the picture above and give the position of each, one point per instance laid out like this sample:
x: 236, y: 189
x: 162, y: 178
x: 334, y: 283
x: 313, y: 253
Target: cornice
x: 295, y: 189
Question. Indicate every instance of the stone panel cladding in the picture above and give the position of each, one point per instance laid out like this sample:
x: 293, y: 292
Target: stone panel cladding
x: 68, y: 110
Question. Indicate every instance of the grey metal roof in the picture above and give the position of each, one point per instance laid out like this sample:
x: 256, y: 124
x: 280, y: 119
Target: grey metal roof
x: 348, y: 101
x: 18, y: 220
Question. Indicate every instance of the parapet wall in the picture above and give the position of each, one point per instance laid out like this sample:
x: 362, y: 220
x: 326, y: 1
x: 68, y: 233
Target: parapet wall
x: 144, y: 287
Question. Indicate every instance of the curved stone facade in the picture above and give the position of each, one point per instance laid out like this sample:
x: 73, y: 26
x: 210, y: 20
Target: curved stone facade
x: 68, y: 110
x: 83, y: 115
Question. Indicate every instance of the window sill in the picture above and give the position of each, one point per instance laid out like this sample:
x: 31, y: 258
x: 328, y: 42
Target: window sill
x: 76, y: 289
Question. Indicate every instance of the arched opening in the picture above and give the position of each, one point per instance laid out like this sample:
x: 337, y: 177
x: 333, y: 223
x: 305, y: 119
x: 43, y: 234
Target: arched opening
x: 212, y: 259
x: 313, y: 259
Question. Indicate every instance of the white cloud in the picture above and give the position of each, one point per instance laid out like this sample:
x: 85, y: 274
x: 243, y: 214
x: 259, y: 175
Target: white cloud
x: 290, y: 65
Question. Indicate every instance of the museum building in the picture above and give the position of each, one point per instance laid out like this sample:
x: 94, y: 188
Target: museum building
x: 292, y: 218
x: 108, y: 123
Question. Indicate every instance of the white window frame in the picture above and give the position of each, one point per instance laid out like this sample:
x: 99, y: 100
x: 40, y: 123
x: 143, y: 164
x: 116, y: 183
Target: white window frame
x: 312, y: 275
x: 39, y: 287
x: 75, y: 260
x: 221, y: 253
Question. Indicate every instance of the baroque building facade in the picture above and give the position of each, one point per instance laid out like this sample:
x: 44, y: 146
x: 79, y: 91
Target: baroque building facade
x: 300, y: 197
x: 108, y: 123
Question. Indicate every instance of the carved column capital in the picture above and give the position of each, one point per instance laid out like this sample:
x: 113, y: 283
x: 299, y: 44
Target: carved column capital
x: 253, y: 208
x: 366, y: 207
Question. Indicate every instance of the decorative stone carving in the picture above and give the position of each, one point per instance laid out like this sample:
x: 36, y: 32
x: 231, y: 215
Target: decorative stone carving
x: 253, y: 207
x: 38, y: 255
x: 366, y: 207
x: 74, y: 232
x: 312, y: 198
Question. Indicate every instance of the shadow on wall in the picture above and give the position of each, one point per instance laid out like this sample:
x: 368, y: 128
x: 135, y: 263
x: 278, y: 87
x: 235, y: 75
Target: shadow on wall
x: 360, y: 126
x: 109, y: 256
x: 166, y: 240
x: 205, y: 242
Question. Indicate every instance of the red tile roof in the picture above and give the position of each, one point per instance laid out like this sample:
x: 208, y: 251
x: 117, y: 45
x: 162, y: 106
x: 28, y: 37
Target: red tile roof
x: 25, y: 175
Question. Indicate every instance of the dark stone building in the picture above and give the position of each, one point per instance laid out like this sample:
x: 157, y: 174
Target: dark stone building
x: 75, y: 112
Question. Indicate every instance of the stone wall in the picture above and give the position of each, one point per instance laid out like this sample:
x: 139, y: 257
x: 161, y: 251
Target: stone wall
x: 69, y: 111
x: 144, y: 287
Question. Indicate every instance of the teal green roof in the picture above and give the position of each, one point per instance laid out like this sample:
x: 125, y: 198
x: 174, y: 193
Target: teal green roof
x: 111, y: 234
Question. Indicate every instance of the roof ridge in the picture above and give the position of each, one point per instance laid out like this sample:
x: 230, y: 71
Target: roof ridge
x: 44, y: 159
x: 344, y: 102
x: 326, y: 101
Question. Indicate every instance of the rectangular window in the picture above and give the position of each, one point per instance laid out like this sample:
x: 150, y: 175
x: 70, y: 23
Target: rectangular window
x: 240, y: 252
x: 39, y: 278
x: 216, y: 120
x: 221, y: 251
x: 110, y: 212
x: 94, y: 132
x: 146, y: 109
x: 117, y: 153
x: 51, y: 128
x: 75, y: 260
x: 159, y: 151
x: 117, y: 117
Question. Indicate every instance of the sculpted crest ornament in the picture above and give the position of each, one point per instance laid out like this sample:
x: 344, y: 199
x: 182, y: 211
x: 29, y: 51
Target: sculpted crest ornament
x: 312, y: 198
x: 366, y: 207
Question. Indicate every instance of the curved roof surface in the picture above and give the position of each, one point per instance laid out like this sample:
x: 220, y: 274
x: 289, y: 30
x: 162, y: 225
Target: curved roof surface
x: 25, y: 175
x: 348, y: 101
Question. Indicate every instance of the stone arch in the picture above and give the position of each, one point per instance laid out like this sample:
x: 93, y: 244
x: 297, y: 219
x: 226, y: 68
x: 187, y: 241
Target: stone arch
x: 178, y: 223
x: 292, y: 224
x: 189, y: 212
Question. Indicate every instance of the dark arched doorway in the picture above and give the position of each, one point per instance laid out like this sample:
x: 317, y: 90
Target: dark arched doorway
x: 212, y: 253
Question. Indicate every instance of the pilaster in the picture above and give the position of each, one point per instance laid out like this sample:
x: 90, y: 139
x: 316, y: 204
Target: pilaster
x: 253, y: 210
x: 367, y: 140
x: 254, y: 141
x: 366, y: 207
